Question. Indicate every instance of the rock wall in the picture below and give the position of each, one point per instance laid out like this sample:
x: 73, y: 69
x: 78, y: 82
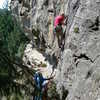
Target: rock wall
x: 79, y: 65
x: 78, y: 77
x: 35, y: 15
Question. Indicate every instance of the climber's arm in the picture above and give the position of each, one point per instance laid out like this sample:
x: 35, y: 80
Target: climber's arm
x: 49, y: 78
x: 65, y: 21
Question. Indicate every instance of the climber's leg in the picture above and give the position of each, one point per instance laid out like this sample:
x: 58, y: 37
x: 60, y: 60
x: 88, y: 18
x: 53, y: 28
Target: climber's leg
x: 59, y: 34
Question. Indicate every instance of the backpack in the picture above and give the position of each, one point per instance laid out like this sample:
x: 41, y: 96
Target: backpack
x: 38, y: 80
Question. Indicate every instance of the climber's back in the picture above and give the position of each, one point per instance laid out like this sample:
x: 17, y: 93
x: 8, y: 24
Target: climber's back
x: 59, y: 20
x: 58, y: 29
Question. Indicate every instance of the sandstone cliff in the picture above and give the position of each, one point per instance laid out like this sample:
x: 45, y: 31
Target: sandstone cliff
x: 78, y: 77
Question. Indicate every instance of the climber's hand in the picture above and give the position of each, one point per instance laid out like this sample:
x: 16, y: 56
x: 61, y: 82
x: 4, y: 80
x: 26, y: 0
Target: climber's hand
x: 53, y: 76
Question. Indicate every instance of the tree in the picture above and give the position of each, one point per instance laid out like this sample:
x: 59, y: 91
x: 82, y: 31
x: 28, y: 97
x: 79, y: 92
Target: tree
x: 12, y: 44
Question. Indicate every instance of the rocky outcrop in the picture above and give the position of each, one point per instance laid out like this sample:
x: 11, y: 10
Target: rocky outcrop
x: 34, y: 15
x: 78, y: 77
x: 79, y: 63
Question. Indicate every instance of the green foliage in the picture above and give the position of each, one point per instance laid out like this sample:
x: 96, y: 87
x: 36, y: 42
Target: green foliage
x: 10, y: 35
x: 42, y: 64
x: 36, y: 34
x: 12, y: 45
x: 52, y: 93
x: 76, y: 29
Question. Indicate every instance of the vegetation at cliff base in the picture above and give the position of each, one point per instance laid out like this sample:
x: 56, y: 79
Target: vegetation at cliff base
x: 12, y: 71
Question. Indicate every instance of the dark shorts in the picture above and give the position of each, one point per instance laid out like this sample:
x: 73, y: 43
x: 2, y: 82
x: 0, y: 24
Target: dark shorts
x: 58, y: 30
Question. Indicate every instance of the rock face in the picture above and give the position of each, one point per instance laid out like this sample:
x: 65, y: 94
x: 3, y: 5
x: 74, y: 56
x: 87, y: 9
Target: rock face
x: 78, y: 77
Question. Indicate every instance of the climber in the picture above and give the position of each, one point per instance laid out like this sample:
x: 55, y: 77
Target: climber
x: 59, y: 21
x: 40, y: 85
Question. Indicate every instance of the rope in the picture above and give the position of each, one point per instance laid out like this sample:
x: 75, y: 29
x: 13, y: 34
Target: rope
x: 52, y: 72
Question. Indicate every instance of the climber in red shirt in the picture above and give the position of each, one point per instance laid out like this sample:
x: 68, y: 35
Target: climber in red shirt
x: 58, y: 30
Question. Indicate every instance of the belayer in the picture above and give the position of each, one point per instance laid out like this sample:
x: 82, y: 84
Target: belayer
x: 59, y: 21
x: 41, y: 83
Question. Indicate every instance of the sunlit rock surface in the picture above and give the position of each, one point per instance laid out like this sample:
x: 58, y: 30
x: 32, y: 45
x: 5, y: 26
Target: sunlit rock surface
x: 78, y: 77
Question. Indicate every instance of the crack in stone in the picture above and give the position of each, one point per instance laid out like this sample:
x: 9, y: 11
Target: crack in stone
x: 95, y: 26
x: 76, y: 5
x: 81, y: 56
x: 65, y: 93
x: 89, y: 73
x: 96, y: 58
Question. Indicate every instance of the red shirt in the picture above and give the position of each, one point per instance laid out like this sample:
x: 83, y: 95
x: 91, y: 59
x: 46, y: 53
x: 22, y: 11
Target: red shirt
x: 58, y: 20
